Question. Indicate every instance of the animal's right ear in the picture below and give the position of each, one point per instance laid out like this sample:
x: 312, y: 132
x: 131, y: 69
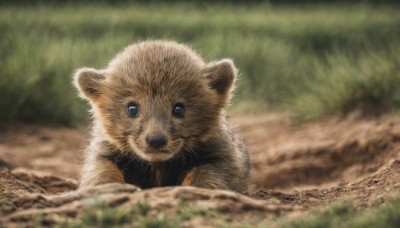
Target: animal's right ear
x: 89, y: 82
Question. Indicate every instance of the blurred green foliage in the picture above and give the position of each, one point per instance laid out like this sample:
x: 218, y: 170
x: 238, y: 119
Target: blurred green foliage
x: 311, y: 60
x: 247, y: 2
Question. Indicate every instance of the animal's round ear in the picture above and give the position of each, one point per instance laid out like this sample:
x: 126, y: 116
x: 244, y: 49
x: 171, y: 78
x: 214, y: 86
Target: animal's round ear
x: 89, y: 81
x: 221, y: 76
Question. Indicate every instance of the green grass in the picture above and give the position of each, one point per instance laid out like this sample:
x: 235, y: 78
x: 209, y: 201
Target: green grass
x: 186, y: 212
x: 139, y: 215
x: 314, y: 61
x: 343, y: 214
x: 104, y: 215
x: 338, y: 214
x: 6, y: 203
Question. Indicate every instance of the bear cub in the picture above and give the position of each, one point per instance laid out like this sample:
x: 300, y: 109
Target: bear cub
x: 159, y: 120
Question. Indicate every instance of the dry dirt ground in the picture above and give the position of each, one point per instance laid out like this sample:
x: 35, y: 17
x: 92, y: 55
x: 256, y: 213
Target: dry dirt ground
x: 295, y: 168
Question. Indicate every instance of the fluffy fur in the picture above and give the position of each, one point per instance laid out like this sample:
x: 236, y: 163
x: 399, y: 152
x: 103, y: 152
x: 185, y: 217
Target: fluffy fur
x: 201, y: 148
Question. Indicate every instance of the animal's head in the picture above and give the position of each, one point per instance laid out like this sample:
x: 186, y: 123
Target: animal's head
x: 156, y: 98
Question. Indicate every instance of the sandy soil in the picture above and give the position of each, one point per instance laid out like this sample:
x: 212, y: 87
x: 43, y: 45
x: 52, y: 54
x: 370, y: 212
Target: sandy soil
x: 295, y: 167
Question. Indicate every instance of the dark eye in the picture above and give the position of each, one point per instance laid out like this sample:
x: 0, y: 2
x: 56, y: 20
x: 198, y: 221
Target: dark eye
x: 132, y: 110
x: 179, y: 110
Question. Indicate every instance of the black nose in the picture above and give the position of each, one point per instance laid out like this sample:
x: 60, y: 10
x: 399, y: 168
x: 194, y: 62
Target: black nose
x: 157, y: 141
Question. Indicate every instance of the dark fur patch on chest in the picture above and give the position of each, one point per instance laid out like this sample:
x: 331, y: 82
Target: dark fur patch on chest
x: 169, y: 173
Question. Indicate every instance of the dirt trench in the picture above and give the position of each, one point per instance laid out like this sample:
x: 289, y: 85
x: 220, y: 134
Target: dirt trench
x: 294, y: 168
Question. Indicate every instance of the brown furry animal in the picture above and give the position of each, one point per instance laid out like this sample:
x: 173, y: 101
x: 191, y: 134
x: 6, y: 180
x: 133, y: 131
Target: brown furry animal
x: 159, y: 120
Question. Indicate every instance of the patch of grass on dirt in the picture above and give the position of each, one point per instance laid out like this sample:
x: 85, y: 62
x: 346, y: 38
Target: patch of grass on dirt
x: 6, y: 203
x: 186, y: 212
x: 104, y: 215
x: 158, y: 221
x: 101, y: 214
x: 344, y: 214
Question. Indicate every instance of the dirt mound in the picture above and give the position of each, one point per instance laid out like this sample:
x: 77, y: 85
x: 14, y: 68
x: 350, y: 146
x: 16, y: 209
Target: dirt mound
x: 294, y: 168
x: 32, y: 182
x: 26, y: 200
x: 368, y: 192
x: 334, y: 152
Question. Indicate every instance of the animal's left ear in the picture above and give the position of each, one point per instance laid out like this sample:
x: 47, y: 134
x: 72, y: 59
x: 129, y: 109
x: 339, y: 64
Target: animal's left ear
x: 221, y: 77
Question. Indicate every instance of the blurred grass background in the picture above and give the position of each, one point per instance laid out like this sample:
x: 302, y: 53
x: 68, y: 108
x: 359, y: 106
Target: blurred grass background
x: 310, y: 60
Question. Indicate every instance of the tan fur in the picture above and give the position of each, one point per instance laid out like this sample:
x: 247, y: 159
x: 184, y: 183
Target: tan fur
x: 189, y: 178
x: 156, y: 75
